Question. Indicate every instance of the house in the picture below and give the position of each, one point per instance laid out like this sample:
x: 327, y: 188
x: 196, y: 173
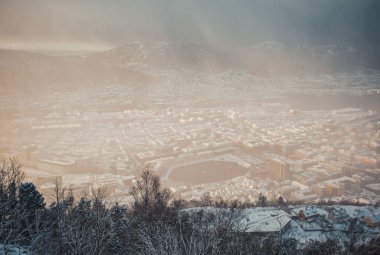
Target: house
x: 338, y: 215
x: 275, y: 224
x: 265, y: 221
x: 308, y: 213
x: 311, y: 218
x: 372, y: 220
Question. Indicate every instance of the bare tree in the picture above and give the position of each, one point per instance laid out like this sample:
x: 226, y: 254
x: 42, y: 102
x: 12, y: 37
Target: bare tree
x: 11, y: 177
x: 150, y: 200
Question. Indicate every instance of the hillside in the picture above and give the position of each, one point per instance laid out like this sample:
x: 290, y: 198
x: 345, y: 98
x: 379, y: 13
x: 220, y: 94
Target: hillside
x: 129, y: 63
x: 155, y: 223
x: 36, y: 70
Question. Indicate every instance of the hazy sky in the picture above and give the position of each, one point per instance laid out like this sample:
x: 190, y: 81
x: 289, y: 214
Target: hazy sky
x: 81, y: 24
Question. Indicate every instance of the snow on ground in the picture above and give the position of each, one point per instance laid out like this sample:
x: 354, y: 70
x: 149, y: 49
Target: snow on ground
x: 12, y: 250
x: 359, y: 211
x: 302, y: 236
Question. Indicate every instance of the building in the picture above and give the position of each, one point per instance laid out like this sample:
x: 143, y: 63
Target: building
x: 57, y: 166
x: 351, y: 185
x: 375, y: 188
x: 320, y: 190
x: 27, y: 153
x: 304, y: 196
x: 265, y: 221
x: 333, y: 189
x: 373, y: 220
x: 311, y: 218
x: 279, y: 169
x: 277, y: 224
x: 337, y: 215
x: 304, y: 164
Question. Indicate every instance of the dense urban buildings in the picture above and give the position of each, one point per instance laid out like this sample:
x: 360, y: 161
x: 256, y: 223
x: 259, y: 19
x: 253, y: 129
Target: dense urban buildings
x: 213, y: 144
x: 190, y: 127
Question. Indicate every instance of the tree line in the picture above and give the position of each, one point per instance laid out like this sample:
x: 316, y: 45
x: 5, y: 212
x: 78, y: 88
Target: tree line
x: 154, y: 223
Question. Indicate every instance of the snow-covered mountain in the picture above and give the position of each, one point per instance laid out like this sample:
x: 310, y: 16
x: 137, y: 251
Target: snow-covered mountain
x: 129, y: 62
x: 28, y: 69
x: 165, y: 55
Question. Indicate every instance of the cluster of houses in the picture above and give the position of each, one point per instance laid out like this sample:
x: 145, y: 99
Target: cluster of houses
x: 312, y: 221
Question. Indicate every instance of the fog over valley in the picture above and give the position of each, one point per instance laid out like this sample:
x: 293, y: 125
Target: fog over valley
x: 143, y: 121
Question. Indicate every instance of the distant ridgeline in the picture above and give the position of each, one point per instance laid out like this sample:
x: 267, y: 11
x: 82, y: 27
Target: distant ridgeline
x: 128, y: 63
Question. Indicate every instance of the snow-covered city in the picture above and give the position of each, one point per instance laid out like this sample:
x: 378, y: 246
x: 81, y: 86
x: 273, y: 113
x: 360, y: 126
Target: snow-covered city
x: 190, y: 127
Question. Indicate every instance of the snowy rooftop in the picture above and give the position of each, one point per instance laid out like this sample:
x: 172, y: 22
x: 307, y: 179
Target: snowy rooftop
x: 264, y: 219
x: 273, y: 224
